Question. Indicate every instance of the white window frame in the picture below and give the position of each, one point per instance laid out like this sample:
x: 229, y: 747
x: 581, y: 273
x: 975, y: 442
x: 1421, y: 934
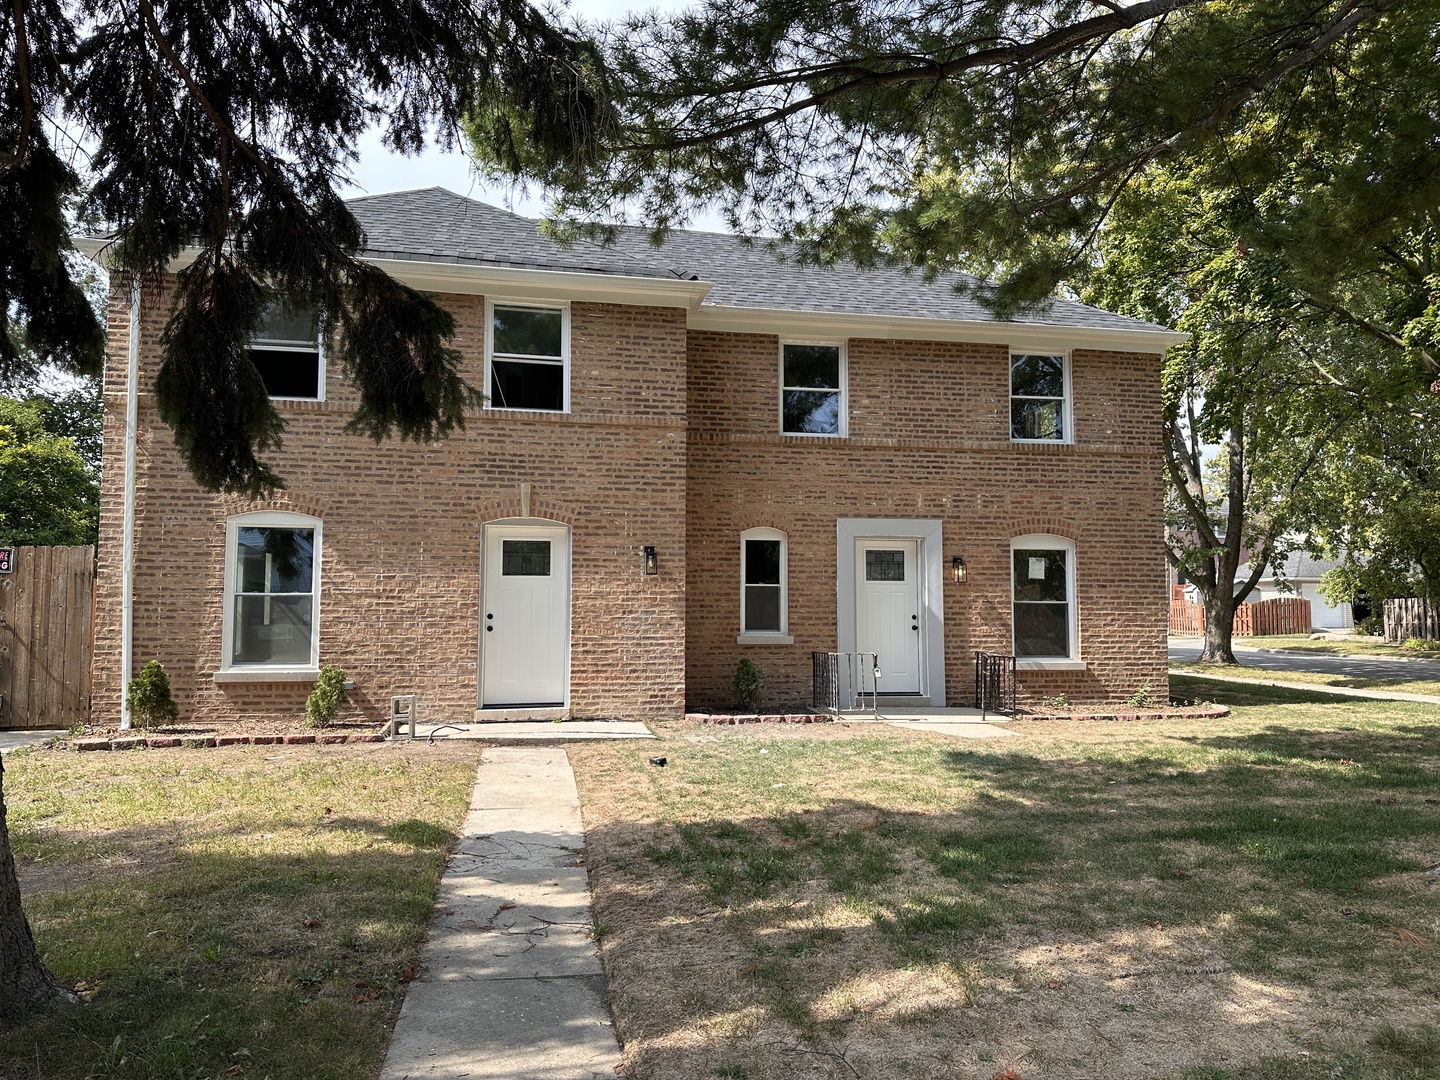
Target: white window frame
x: 269, y: 519
x: 844, y: 391
x: 767, y: 637
x: 1067, y: 408
x: 1049, y: 542
x: 562, y: 306
x: 259, y: 345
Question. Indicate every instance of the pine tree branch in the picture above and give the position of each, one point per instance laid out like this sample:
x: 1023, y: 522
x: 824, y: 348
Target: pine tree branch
x: 1373, y: 329
x: 14, y: 160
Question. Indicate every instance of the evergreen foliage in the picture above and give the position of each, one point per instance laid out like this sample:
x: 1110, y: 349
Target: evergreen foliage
x: 323, y: 704
x: 748, y: 686
x: 225, y: 129
x: 148, y: 697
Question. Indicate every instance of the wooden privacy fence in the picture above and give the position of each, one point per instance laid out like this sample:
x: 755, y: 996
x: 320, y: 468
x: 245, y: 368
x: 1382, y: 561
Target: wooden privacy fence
x: 1411, y: 617
x: 47, y: 604
x: 1283, y: 615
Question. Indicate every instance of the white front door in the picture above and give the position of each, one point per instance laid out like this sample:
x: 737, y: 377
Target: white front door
x: 525, y: 616
x: 887, y: 610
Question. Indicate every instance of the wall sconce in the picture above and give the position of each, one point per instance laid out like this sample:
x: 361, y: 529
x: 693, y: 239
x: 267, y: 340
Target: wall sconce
x: 959, y: 573
x: 652, y: 560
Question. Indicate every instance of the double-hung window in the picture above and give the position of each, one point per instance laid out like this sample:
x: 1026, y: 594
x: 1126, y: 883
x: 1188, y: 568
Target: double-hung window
x: 272, y: 591
x: 286, y: 352
x: 812, y: 389
x: 1039, y: 398
x: 763, y: 586
x: 528, y: 356
x: 1043, y: 597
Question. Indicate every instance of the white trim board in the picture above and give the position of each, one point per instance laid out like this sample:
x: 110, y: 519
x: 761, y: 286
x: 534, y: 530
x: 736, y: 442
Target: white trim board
x: 932, y: 588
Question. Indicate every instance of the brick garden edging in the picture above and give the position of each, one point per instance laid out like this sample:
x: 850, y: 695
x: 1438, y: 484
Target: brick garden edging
x: 1213, y: 712
x: 759, y: 718
x: 201, y: 742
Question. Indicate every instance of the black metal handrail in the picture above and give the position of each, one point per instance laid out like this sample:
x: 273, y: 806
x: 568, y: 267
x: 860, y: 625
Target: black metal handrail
x: 994, y: 683
x: 838, y: 680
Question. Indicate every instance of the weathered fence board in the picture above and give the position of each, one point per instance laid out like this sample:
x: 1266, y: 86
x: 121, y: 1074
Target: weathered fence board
x: 1283, y: 615
x: 1411, y: 617
x: 46, y: 618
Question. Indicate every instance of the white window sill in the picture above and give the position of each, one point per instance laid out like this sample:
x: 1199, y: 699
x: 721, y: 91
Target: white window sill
x: 1051, y: 665
x: 267, y: 675
x: 765, y: 639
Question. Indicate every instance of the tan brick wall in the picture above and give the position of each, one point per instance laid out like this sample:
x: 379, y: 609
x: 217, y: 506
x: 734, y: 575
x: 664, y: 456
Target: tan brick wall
x: 400, y: 592
x: 929, y: 439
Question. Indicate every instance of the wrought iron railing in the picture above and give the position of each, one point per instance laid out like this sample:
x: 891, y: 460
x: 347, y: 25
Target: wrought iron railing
x: 839, y: 682
x: 994, y: 683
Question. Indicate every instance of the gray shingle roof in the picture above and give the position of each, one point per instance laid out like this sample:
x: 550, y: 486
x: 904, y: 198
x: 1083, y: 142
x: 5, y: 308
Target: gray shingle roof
x: 436, y: 225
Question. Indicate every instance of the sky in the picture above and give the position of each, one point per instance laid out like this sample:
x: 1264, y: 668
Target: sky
x: 379, y: 170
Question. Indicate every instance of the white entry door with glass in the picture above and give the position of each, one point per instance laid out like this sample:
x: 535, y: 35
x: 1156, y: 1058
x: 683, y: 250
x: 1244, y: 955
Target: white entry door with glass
x: 525, y: 616
x: 887, y: 611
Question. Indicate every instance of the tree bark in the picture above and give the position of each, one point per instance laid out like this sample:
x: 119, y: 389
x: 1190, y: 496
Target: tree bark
x: 25, y: 982
x: 1219, y: 628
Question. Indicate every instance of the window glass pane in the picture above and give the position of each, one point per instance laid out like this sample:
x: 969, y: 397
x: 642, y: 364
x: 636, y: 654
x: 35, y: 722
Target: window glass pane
x: 762, y: 562
x: 527, y: 331
x: 292, y: 324
x: 273, y: 629
x: 1034, y: 419
x: 525, y: 558
x: 812, y: 366
x: 1037, y: 376
x: 884, y: 566
x: 1042, y: 629
x: 762, y: 609
x: 517, y: 385
x: 815, y: 412
x: 274, y: 560
x: 288, y: 373
x: 1040, y: 575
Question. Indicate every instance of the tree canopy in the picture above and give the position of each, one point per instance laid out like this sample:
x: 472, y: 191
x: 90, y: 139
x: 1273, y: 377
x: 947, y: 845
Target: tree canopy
x: 225, y: 129
x: 49, y: 468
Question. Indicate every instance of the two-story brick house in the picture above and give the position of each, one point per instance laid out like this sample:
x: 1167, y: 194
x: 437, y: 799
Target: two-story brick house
x: 688, y: 456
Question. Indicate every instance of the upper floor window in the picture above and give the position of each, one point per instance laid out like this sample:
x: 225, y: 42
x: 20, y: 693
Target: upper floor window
x: 286, y: 352
x: 1039, y: 398
x: 528, y: 357
x: 272, y: 591
x: 762, y: 582
x: 812, y: 389
x: 1043, y: 591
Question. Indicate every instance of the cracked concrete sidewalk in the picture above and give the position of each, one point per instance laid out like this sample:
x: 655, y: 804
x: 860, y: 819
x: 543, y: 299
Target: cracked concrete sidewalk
x: 510, y: 983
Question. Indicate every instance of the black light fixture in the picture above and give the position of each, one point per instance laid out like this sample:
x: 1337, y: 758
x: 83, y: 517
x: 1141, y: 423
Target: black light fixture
x: 958, y: 571
x: 652, y: 560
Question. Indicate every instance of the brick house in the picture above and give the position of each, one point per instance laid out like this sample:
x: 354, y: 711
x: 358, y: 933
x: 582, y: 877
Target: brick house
x: 688, y: 456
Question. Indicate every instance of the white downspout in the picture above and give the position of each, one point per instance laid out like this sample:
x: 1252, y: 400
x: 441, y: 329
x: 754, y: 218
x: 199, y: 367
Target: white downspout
x: 127, y: 545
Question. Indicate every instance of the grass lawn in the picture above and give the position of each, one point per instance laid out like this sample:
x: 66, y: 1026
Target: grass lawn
x: 1250, y: 898
x: 244, y: 912
x: 1335, y: 646
x: 1318, y: 678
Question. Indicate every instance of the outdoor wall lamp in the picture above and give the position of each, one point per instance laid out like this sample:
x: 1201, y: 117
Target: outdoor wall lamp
x: 652, y: 560
x: 959, y: 573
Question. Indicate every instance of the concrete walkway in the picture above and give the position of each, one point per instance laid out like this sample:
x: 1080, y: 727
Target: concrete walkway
x: 1316, y: 688
x: 510, y: 986
x: 515, y: 732
x: 13, y: 740
x: 960, y: 723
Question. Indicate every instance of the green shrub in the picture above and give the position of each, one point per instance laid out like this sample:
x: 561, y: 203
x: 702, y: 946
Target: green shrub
x: 148, y: 697
x: 749, y: 685
x: 1143, y: 698
x: 1371, y: 626
x: 1421, y: 643
x: 323, y: 704
x: 1059, y: 701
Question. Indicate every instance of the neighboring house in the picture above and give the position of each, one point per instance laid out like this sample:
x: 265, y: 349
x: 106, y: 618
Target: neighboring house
x: 689, y: 456
x: 1300, y: 577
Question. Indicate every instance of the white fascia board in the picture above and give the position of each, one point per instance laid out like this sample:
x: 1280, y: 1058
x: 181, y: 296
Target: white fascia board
x: 513, y: 282
x: 1033, y: 336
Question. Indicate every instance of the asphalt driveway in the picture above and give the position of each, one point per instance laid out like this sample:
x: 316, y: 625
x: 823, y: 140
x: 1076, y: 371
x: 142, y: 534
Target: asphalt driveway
x: 1187, y: 651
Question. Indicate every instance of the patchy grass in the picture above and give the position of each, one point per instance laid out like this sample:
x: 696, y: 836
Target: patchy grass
x: 1237, y: 898
x: 240, y: 912
x: 1317, y: 678
x: 1335, y: 646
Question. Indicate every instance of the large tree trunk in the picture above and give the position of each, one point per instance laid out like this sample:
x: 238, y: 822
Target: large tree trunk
x: 1219, y: 629
x: 25, y: 983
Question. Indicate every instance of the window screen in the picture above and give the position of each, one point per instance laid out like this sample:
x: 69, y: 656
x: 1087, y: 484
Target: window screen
x: 286, y: 351
x: 1042, y: 602
x: 527, y: 361
x: 763, y: 587
x: 1037, y: 396
x: 811, y: 394
x: 274, y: 596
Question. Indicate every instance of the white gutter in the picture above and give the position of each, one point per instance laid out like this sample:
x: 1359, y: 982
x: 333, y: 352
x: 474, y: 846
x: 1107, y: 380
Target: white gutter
x: 127, y: 545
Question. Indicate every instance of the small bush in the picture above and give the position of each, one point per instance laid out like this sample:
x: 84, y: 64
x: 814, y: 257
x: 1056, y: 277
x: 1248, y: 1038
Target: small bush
x: 1059, y: 701
x: 749, y: 685
x: 1144, y: 698
x: 1422, y: 643
x: 1371, y: 626
x: 323, y: 704
x: 148, y: 697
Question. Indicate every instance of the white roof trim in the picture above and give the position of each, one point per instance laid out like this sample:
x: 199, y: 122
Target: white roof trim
x: 516, y: 283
